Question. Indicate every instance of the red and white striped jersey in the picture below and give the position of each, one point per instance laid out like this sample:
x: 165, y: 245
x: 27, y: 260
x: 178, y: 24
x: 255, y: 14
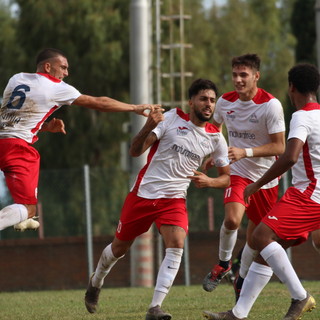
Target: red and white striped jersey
x: 249, y: 124
x: 28, y: 100
x: 304, y: 125
x: 180, y: 148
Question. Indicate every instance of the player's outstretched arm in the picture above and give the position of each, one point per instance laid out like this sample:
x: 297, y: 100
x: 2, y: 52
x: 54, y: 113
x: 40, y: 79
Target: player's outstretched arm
x: 106, y: 104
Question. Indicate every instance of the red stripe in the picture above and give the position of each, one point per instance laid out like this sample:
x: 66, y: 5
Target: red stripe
x: 53, y: 79
x: 39, y: 124
x: 309, y: 170
x: 144, y: 169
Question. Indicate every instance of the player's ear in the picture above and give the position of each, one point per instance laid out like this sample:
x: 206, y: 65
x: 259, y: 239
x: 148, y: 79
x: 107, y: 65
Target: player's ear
x: 47, y: 67
x: 257, y: 75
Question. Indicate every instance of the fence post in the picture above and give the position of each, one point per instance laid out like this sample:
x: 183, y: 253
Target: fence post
x: 88, y: 217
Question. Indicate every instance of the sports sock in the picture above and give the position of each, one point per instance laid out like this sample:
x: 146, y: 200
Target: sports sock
x: 277, y: 259
x: 13, y: 214
x: 106, y: 262
x: 248, y: 256
x: 166, y: 275
x: 257, y: 278
x: 227, y: 242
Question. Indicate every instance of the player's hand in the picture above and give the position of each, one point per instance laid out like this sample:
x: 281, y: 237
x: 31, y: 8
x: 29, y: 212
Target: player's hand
x: 154, y: 117
x: 235, y: 154
x: 142, y: 109
x: 54, y: 125
x: 249, y: 190
x: 200, y: 179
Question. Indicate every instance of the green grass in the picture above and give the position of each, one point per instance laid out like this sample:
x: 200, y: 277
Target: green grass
x: 184, y: 303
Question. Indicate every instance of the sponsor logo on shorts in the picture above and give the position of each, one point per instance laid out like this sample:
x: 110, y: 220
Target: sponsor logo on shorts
x: 272, y: 218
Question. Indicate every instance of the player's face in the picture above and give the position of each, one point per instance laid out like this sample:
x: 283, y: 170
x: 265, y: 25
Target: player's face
x: 202, y: 106
x: 245, y: 81
x: 59, y: 67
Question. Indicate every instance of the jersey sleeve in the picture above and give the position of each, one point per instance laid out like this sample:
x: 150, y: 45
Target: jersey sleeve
x: 298, y: 128
x: 65, y: 94
x: 217, y: 116
x: 220, y: 153
x: 160, y: 129
x: 275, y: 117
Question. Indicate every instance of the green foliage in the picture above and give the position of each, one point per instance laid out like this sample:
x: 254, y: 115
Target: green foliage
x: 10, y: 52
x: 304, y: 29
x: 237, y: 28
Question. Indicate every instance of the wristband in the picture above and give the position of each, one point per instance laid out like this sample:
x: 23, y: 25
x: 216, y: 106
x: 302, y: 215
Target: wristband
x: 249, y: 152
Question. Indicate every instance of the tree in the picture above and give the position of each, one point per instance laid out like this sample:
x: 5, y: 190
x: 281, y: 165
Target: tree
x: 304, y: 29
x: 11, y: 55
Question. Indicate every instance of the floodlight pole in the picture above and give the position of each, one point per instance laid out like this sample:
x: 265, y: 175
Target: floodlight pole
x: 141, y: 253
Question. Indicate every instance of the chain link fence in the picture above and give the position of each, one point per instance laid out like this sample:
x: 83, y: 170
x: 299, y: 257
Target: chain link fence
x: 62, y: 203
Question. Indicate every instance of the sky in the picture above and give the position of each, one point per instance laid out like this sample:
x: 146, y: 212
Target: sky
x: 209, y: 3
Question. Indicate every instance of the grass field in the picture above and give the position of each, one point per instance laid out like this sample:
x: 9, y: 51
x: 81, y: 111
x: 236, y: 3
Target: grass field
x: 184, y: 303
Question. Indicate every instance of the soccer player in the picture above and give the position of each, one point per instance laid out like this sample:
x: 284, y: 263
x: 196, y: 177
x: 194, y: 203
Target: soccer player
x: 256, y: 131
x: 297, y: 213
x: 179, y: 142
x: 28, y: 100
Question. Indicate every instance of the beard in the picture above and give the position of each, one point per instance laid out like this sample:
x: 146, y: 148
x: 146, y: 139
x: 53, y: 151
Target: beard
x: 202, y: 117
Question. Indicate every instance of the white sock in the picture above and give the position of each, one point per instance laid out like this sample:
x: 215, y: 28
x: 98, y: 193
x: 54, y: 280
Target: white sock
x: 106, y: 262
x: 247, y: 257
x: 166, y: 275
x: 278, y: 260
x: 257, y: 278
x: 227, y: 242
x: 13, y: 214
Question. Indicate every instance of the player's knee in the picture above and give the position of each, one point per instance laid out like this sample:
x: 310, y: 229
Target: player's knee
x: 232, y: 223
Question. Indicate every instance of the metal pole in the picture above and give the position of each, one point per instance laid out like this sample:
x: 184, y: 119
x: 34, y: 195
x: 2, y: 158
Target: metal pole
x: 88, y: 218
x: 141, y: 251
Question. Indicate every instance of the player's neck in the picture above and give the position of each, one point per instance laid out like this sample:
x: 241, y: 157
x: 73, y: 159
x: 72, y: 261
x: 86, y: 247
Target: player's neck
x: 249, y: 95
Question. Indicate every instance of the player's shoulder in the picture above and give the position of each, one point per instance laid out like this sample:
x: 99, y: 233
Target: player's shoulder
x: 181, y: 114
x: 263, y: 96
x: 211, y: 128
x: 231, y: 96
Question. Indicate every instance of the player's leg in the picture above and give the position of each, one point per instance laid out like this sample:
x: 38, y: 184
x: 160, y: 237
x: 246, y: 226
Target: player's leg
x: 276, y: 257
x: 257, y: 278
x: 136, y: 218
x: 173, y: 237
x: 247, y: 257
x: 20, y: 166
x: 315, y: 235
x: 109, y: 257
x: 260, y: 205
x: 234, y: 212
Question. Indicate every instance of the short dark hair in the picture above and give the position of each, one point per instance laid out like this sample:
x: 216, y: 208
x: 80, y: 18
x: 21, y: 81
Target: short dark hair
x: 304, y: 77
x: 251, y: 60
x: 201, y: 84
x: 48, y: 53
